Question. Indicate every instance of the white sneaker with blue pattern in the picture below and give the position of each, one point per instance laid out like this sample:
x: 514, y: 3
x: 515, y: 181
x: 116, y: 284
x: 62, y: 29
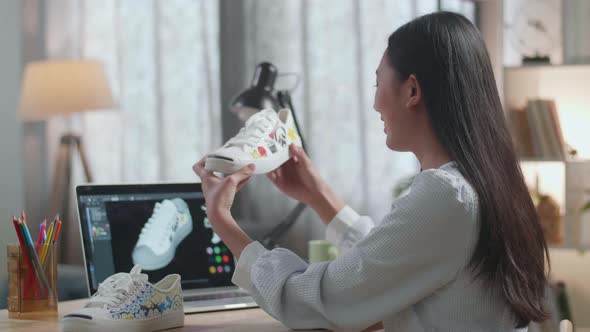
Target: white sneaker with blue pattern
x: 128, y: 302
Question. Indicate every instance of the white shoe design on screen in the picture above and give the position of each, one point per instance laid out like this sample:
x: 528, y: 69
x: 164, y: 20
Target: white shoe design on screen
x: 169, y: 224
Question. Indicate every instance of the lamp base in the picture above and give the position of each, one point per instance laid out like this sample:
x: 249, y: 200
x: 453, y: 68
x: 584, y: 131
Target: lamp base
x: 69, y: 144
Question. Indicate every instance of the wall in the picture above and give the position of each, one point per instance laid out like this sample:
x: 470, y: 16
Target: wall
x: 11, y: 190
x: 490, y: 18
x: 576, y: 44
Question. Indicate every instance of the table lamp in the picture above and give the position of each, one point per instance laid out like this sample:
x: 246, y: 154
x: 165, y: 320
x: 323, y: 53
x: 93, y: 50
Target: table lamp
x: 52, y: 88
x: 260, y: 95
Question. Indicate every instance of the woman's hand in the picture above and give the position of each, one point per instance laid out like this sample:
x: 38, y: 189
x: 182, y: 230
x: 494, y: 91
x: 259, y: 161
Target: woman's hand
x: 220, y: 192
x: 219, y: 197
x: 299, y: 179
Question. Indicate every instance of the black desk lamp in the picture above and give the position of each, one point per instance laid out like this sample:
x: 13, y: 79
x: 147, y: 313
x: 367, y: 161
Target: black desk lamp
x: 260, y: 95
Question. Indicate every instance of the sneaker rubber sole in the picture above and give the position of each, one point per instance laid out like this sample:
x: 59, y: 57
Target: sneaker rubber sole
x: 167, y: 321
x: 263, y: 166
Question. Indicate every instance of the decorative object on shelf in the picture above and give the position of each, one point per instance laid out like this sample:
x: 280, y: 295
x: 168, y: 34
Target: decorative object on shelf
x: 536, y: 60
x: 550, y: 219
x: 549, y: 214
x: 577, y: 204
x: 560, y: 293
x: 533, y: 31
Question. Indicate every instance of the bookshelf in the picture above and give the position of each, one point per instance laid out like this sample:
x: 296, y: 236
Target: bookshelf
x: 564, y: 177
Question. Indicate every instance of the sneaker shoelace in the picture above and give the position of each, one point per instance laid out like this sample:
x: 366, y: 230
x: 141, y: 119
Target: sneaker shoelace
x: 254, y: 129
x: 157, y: 231
x: 117, y: 288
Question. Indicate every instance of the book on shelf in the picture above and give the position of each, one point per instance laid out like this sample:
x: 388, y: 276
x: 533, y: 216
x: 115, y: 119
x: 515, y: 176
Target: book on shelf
x: 536, y: 131
x: 554, y: 150
x: 557, y: 128
x: 540, y: 144
x: 521, y: 133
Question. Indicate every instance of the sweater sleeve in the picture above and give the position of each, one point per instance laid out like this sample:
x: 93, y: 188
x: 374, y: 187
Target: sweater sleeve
x: 347, y: 228
x: 421, y: 245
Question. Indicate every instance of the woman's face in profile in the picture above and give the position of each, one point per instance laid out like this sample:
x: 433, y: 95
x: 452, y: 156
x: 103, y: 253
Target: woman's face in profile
x: 390, y: 104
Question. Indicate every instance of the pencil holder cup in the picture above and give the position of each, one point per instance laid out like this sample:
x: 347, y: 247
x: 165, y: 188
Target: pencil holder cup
x: 32, y: 284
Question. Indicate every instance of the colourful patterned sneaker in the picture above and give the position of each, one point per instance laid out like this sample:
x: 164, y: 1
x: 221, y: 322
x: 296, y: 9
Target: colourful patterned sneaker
x: 128, y: 302
x: 264, y: 141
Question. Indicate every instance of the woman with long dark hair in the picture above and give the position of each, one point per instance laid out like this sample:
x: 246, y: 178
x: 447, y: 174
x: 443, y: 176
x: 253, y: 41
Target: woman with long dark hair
x: 461, y: 251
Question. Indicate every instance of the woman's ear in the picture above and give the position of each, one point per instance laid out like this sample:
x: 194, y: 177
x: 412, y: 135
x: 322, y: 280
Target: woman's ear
x: 415, y: 92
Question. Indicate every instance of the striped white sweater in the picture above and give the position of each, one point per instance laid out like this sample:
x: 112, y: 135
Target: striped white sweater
x: 409, y: 271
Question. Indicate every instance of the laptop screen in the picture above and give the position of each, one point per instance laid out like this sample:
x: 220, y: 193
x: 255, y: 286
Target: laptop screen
x: 162, y: 227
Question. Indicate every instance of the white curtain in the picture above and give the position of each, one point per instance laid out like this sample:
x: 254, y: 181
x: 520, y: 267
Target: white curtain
x: 162, y: 58
x: 163, y: 61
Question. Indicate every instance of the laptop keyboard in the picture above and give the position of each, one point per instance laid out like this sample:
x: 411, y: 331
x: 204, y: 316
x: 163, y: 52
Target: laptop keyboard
x: 215, y: 296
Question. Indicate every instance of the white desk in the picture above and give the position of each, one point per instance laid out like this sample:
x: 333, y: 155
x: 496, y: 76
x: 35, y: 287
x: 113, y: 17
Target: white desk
x: 234, y: 320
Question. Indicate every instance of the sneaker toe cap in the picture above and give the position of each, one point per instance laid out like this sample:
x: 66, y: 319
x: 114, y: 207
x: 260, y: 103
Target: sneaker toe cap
x: 232, y: 153
x: 88, y: 314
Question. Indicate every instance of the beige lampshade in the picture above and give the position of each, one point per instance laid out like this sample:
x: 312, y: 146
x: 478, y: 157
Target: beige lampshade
x: 56, y: 87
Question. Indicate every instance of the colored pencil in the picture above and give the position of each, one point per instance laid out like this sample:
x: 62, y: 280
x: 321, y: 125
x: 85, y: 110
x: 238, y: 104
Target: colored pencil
x: 40, y: 237
x: 34, y: 275
x: 36, y: 262
x: 38, y: 246
x: 56, y: 232
x: 24, y: 250
x: 23, y: 217
x: 47, y: 240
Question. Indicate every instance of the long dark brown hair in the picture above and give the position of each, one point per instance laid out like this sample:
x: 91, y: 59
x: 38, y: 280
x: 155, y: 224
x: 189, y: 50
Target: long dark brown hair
x: 449, y: 59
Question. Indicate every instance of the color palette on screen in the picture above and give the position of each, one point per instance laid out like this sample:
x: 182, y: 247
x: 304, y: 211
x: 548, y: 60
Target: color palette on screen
x: 219, y: 259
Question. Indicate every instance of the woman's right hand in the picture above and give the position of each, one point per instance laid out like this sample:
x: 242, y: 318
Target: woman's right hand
x: 299, y: 179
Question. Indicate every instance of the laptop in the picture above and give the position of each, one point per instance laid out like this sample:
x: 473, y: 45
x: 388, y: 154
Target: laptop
x: 112, y: 218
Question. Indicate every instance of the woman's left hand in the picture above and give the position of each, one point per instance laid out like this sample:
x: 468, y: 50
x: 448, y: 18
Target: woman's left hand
x: 220, y: 192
